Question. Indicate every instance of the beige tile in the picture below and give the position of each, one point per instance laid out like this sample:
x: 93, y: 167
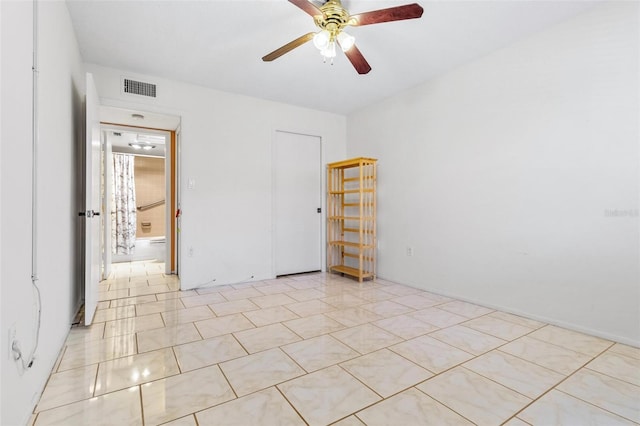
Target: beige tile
x: 159, y: 306
x: 310, y: 307
x: 303, y: 285
x: 92, y: 352
x: 152, y: 289
x: 573, y: 340
x: 401, y: 290
x: 319, y: 352
x: 351, y: 317
x: 305, y: 294
x: 516, y: 422
x: 137, y: 300
x: 475, y: 397
x: 207, y: 352
x: 182, y: 421
x: 110, y: 295
x: 244, y: 293
x: 181, y: 316
x: 272, y: 300
x: 128, y: 284
x: 561, y: 360
x: 103, y: 305
x: 343, y: 300
x: 387, y: 308
x: 133, y: 370
x: 83, y: 334
x: 267, y: 337
x: 233, y: 307
x: 619, y: 366
x: 465, y: 309
x: 176, y: 396
x: 327, y: 395
x: 349, y: 421
x: 132, y: 325
x: 405, y: 326
x: 313, y: 326
x: 260, y: 371
x: 114, y: 313
x: 275, y: 288
x: 121, y: 408
x: 366, y: 338
x: 497, y: 327
x: 223, y: 325
x: 558, y: 408
x: 373, y: 294
x: 177, y: 294
x: 431, y: 354
x: 525, y: 322
x: 515, y: 373
x: 268, y: 316
x: 386, y: 372
x: 409, y: 408
x: 606, y: 392
x: 201, y: 300
x: 468, y: 340
x: 625, y: 350
x: 436, y: 297
x: 165, y: 337
x: 416, y: 301
x: 438, y: 317
x: 67, y: 387
x: 267, y: 407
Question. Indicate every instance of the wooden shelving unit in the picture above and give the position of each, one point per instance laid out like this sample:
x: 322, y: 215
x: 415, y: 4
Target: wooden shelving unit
x: 351, y: 218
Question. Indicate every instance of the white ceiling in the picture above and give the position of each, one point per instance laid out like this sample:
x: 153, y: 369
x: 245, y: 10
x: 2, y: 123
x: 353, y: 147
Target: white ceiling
x: 220, y: 43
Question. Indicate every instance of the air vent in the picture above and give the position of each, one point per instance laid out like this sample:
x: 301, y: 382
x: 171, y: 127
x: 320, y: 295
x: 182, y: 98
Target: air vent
x: 139, y: 88
x: 117, y: 134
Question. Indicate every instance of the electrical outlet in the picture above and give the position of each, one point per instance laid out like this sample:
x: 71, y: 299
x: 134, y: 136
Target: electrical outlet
x: 409, y: 251
x: 190, y: 252
x: 11, y: 339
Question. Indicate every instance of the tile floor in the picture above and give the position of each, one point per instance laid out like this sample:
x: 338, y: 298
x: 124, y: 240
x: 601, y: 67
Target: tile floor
x: 322, y: 349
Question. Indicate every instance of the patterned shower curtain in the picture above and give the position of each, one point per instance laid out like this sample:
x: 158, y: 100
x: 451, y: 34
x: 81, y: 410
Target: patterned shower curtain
x: 123, y: 201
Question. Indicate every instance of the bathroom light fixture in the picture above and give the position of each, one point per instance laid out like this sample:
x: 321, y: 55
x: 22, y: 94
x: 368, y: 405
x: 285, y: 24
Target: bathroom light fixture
x: 137, y: 116
x: 135, y: 146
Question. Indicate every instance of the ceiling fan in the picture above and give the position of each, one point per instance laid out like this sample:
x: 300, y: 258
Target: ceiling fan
x: 332, y: 18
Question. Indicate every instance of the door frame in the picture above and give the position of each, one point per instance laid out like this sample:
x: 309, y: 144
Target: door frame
x: 321, y: 200
x: 171, y: 189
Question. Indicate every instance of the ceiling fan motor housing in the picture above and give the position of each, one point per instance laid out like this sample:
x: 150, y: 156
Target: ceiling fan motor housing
x: 333, y: 19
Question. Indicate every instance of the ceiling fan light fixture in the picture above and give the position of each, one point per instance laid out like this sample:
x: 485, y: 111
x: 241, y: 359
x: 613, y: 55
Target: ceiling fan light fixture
x: 330, y: 51
x: 321, y: 39
x: 346, y: 41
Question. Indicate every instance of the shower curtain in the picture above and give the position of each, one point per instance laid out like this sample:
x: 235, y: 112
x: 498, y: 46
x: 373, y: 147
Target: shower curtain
x: 123, y: 201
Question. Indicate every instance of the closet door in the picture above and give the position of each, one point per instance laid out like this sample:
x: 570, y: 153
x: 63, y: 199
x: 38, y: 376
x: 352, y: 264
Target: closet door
x: 297, y: 198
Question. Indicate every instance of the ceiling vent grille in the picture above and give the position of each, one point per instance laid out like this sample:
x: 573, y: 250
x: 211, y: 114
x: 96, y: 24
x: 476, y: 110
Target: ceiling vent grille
x: 139, y: 88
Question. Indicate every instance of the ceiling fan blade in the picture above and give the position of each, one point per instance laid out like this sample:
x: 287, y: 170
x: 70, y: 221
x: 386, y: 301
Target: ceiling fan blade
x: 357, y: 60
x: 288, y: 47
x: 399, y: 13
x: 307, y: 6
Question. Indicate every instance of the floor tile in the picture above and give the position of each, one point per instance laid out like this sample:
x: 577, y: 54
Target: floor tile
x: 310, y: 307
x: 260, y: 371
x: 558, y: 408
x: 561, y: 360
x: 387, y: 308
x: 319, y: 352
x: 152, y: 289
x: 303, y: 285
x: 438, y: 317
x: 245, y: 293
x: 223, y: 325
x: 343, y: 300
x: 409, y: 408
x: 468, y: 340
x: 272, y: 300
x: 203, y: 353
x: 305, y: 294
x: 81, y: 334
x: 626, y: 350
x: 133, y: 370
x: 349, y: 421
x: 201, y: 300
x: 275, y: 288
x: 267, y: 407
x: 177, y: 396
x: 619, y: 366
x: 497, y: 327
x: 373, y: 294
x: 136, y: 300
x: 515, y: 373
x: 181, y: 316
x: 327, y: 395
x: 267, y: 337
x: 121, y: 408
x: 114, y: 313
x: 386, y: 372
x: 405, y: 326
x: 182, y: 421
x: 159, y: 306
x: 611, y: 394
x: 525, y: 322
x: 431, y: 353
x: 416, y: 301
x: 132, y: 325
x: 313, y: 326
x: 233, y: 307
x: 401, y: 290
x: 465, y: 309
x: 79, y: 355
x: 516, y: 422
x: 366, y: 338
x: 165, y: 337
x: 268, y: 316
x: 67, y: 387
x: 177, y: 295
x: 573, y: 340
x: 477, y: 398
x: 351, y: 317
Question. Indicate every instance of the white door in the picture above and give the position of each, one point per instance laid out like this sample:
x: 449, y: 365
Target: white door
x: 107, y: 166
x: 92, y: 202
x: 297, y: 201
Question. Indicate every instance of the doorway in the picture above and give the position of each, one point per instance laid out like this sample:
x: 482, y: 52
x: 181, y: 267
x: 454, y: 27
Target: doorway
x: 297, y: 201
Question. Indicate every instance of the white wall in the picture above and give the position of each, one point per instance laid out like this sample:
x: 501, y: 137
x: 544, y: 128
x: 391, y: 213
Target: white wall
x: 226, y: 148
x: 61, y: 93
x: 500, y: 175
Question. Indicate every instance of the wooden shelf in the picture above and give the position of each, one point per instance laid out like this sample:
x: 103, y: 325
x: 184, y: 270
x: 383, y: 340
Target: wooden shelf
x: 351, y: 217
